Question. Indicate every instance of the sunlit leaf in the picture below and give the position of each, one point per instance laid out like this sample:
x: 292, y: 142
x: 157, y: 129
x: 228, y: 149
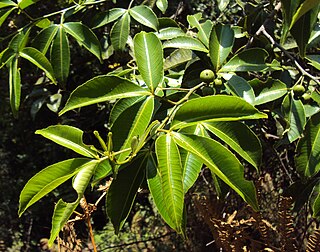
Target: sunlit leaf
x: 37, y: 58
x: 14, y: 85
x: 103, y: 169
x: 170, y: 33
x: 162, y: 5
x: 306, y: 6
x: 69, y: 137
x: 106, y: 17
x: 240, y: 138
x: 288, y: 8
x: 248, y: 60
x: 7, y: 3
x: 177, y: 57
x: 60, y: 55
x: 295, y: 115
x: 84, y: 36
x: 44, y: 39
x: 101, y: 89
x: 170, y: 171
x: 26, y: 3
x: 149, y: 57
x: 203, y: 28
x: 185, y: 42
x: 63, y: 210
x: 214, y: 108
x: 132, y: 122
x: 120, y: 32
x: 220, y: 45
x: 220, y: 161
x: 308, y: 149
x: 48, y: 179
x: 4, y: 13
x: 145, y: 16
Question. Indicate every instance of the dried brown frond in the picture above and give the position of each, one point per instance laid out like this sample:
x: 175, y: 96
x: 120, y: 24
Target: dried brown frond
x: 314, y: 241
x: 286, y: 227
x: 69, y: 241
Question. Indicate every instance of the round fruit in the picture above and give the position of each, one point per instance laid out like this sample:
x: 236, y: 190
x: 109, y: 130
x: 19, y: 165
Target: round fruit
x: 218, y: 82
x: 207, y: 76
x: 298, y: 89
x: 207, y: 91
x: 306, y: 97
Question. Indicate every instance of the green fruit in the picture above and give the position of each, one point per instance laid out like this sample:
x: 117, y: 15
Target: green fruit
x: 298, y: 89
x: 207, y: 76
x: 218, y: 82
x: 207, y: 91
x: 306, y: 97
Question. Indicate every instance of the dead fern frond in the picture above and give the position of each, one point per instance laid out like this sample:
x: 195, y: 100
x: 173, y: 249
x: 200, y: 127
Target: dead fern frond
x: 286, y: 226
x: 314, y: 241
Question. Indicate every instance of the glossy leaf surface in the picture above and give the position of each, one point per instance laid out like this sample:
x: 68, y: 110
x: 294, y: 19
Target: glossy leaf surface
x: 113, y: 88
x: 60, y: 55
x: 104, y: 18
x: 170, y: 170
x: 220, y: 45
x: 308, y: 149
x: 240, y: 138
x: 145, y: 16
x: 44, y: 39
x: 69, y: 137
x: 14, y: 85
x: 37, y: 58
x: 220, y: 161
x: 185, y: 42
x: 214, y: 108
x: 120, y: 32
x: 149, y: 57
x: 84, y: 36
x: 48, y: 179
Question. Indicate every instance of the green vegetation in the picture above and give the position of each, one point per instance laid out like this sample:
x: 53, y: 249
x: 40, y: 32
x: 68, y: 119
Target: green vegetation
x: 161, y: 116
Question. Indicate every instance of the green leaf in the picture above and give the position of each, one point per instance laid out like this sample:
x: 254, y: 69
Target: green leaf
x: 120, y: 32
x: 145, y: 16
x: 43, y: 40
x: 19, y: 41
x: 170, y: 171
x: 43, y: 23
x: 103, y: 169
x: 221, y: 162
x: 203, y: 28
x: 63, y: 210
x: 240, y: 87
x: 308, y: 149
x: 106, y: 17
x: 222, y: 4
x: 123, y: 191
x: 22, y: 4
x: 177, y: 57
x: 14, y: 85
x: 316, y: 203
x: 240, y: 138
x: 289, y: 8
x: 149, y: 57
x: 306, y: 6
x: 7, y: 3
x: 155, y: 186
x: 162, y: 5
x: 268, y: 91
x: 60, y: 56
x: 170, y: 33
x: 4, y: 14
x: 122, y: 105
x: 132, y: 122
x: 302, y: 29
x: 191, y: 164
x: 84, y: 37
x: 314, y: 60
x: 6, y: 55
x: 69, y: 137
x: 185, y: 42
x: 91, y: 91
x: 48, y: 179
x: 37, y: 58
x: 214, y: 108
x: 295, y: 115
x: 220, y: 45
x: 248, y: 60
